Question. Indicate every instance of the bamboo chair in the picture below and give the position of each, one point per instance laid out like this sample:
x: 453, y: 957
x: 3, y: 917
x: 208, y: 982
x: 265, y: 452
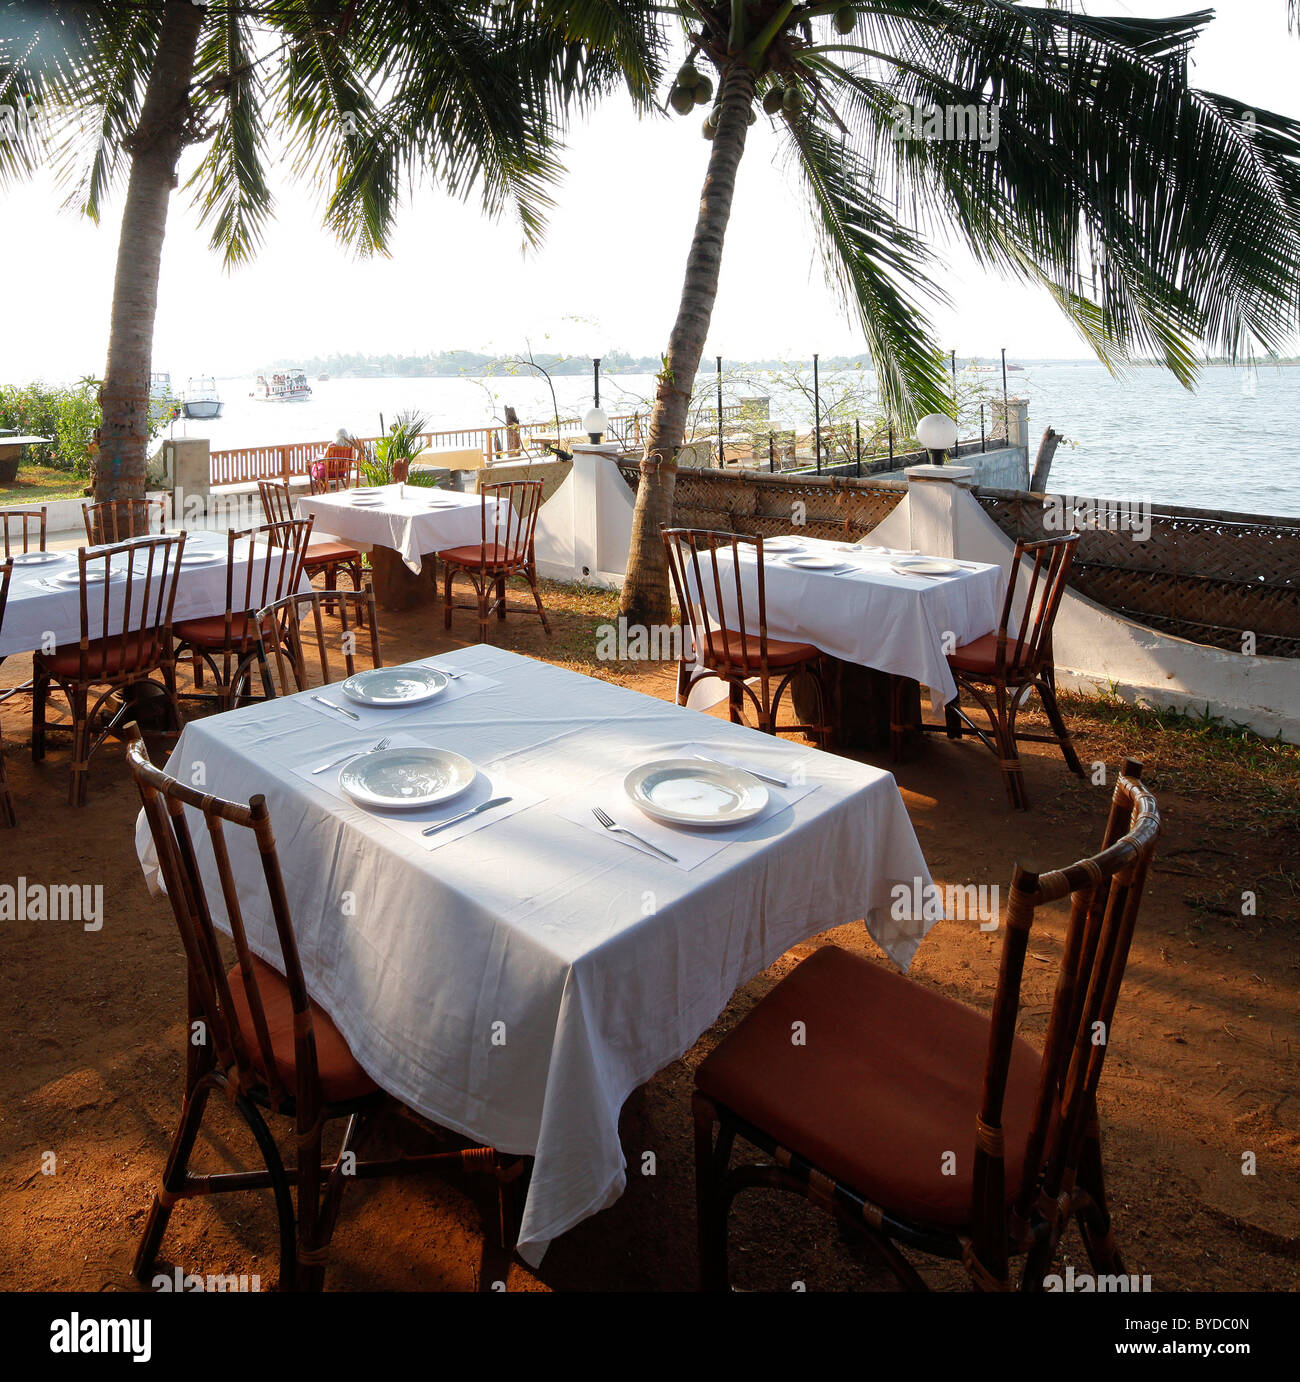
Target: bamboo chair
x: 118, y: 520
x: 505, y: 549
x: 124, y: 643
x: 228, y: 644
x: 284, y: 660
x: 7, y: 814
x: 268, y: 1047
x: 891, y: 1082
x: 337, y: 467
x: 1001, y: 668
x: 707, y: 566
x: 24, y: 523
x: 327, y: 554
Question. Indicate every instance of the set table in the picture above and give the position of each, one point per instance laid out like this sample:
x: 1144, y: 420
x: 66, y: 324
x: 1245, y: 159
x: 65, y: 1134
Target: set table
x: 45, y: 611
x: 402, y: 524
x: 516, y: 976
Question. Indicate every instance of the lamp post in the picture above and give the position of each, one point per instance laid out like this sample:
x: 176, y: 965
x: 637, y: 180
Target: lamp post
x: 594, y: 421
x: 937, y: 432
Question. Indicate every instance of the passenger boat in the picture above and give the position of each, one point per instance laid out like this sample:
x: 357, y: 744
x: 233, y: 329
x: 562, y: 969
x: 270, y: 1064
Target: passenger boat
x: 287, y: 386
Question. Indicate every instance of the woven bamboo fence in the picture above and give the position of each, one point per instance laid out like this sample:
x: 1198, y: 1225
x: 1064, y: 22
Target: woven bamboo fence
x: 1209, y: 577
x: 759, y: 504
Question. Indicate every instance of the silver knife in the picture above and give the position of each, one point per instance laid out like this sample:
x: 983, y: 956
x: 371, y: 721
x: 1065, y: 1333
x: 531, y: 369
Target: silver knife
x: 342, y: 710
x: 465, y: 815
x: 744, y: 768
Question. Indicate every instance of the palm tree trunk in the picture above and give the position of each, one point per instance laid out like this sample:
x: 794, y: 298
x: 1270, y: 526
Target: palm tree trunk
x: 155, y: 150
x: 645, y: 589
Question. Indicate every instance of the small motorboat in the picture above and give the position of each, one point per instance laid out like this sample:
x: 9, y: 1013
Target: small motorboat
x: 201, y: 398
x: 286, y: 386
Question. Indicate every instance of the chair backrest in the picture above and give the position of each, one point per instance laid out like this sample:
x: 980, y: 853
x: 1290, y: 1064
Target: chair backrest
x: 127, y: 592
x: 271, y: 557
x: 295, y: 625
x: 277, y: 501
x: 1105, y: 892
x: 116, y: 520
x: 165, y: 802
x: 509, y: 516
x: 335, y: 468
x: 1029, y: 646
x: 709, y: 575
x: 27, y: 524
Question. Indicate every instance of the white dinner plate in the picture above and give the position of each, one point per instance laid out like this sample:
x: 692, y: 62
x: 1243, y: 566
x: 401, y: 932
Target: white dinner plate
x: 689, y: 791
x: 815, y: 561
x: 441, y: 502
x: 201, y: 558
x: 925, y: 566
x: 394, y: 686
x: 405, y: 779
x: 782, y: 544
x: 38, y: 558
x: 94, y: 576
x: 365, y: 499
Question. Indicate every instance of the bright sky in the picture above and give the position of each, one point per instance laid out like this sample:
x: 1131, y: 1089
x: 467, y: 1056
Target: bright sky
x: 608, y: 276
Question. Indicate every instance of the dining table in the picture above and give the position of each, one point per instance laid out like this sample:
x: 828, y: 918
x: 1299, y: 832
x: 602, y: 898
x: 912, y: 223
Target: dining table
x: 405, y: 526
x: 897, y: 612
x: 44, y: 609
x: 514, y: 974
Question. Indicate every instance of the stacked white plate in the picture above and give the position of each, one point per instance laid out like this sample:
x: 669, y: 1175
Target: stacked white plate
x: 689, y: 791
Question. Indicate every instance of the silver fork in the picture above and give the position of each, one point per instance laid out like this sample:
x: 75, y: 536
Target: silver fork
x: 615, y: 829
x: 356, y: 753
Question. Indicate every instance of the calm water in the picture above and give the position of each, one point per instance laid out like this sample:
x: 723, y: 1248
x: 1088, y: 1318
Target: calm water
x: 1234, y: 444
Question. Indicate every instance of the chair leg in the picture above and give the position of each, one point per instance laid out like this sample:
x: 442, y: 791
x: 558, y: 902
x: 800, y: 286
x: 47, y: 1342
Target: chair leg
x: 79, y: 698
x: 448, y: 571
x: 1093, y: 1216
x: 711, y: 1199
x: 178, y: 1159
x: 531, y: 573
x: 312, y: 1250
x: 683, y: 681
x: 1013, y: 775
x: 7, y: 815
x: 40, y: 698
x: 482, y: 589
x: 501, y: 598
x: 1047, y: 694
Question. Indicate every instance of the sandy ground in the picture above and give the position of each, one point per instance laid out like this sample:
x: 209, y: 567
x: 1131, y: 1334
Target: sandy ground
x: 1202, y: 1071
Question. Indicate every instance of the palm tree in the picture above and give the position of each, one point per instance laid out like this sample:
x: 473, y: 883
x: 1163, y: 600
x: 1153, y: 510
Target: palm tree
x: 1161, y: 218
x: 363, y: 97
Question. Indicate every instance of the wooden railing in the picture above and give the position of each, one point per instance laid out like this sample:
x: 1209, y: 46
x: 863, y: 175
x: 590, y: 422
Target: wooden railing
x: 247, y: 464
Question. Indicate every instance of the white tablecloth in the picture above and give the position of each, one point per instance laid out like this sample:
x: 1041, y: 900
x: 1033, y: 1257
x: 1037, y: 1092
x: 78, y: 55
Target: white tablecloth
x: 519, y: 983
x: 41, y: 615
x: 872, y: 615
x: 406, y: 521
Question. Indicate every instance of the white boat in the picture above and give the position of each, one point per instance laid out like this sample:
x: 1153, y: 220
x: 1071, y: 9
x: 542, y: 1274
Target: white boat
x: 201, y: 398
x: 285, y: 386
x: 160, y: 387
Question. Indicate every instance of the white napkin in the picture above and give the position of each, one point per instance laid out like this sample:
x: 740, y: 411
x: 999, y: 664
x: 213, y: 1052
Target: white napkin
x: 411, y: 824
x: 690, y: 845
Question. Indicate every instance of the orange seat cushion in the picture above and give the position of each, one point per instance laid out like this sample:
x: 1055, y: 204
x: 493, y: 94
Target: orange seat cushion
x: 324, y: 553
x: 980, y: 657
x: 104, y: 658
x: 211, y: 632
x: 887, y: 1083
x: 341, y: 1077
x: 495, y: 554
x: 745, y: 653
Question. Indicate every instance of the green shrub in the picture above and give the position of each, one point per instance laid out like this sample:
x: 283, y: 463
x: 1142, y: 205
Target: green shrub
x: 69, y: 414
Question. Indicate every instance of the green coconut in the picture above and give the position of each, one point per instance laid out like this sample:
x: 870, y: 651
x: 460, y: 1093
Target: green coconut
x: 702, y: 91
x: 792, y: 101
x: 845, y: 18
x: 772, y: 99
x: 688, y: 76
x: 681, y: 100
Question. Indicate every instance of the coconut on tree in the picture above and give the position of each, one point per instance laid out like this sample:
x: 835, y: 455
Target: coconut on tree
x: 1163, y: 220
x: 357, y: 99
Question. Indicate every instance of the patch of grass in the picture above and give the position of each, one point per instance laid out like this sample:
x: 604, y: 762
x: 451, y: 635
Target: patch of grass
x: 36, y: 484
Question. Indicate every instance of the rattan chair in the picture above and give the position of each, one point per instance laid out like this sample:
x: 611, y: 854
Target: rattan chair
x: 925, y: 1123
x: 505, y: 548
x: 267, y: 1046
x: 117, y: 520
x: 125, y: 642
x: 337, y: 467
x: 27, y: 524
x: 710, y: 580
x: 228, y: 644
x: 324, y: 553
x: 1000, y: 669
x: 7, y: 815
x: 287, y: 636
